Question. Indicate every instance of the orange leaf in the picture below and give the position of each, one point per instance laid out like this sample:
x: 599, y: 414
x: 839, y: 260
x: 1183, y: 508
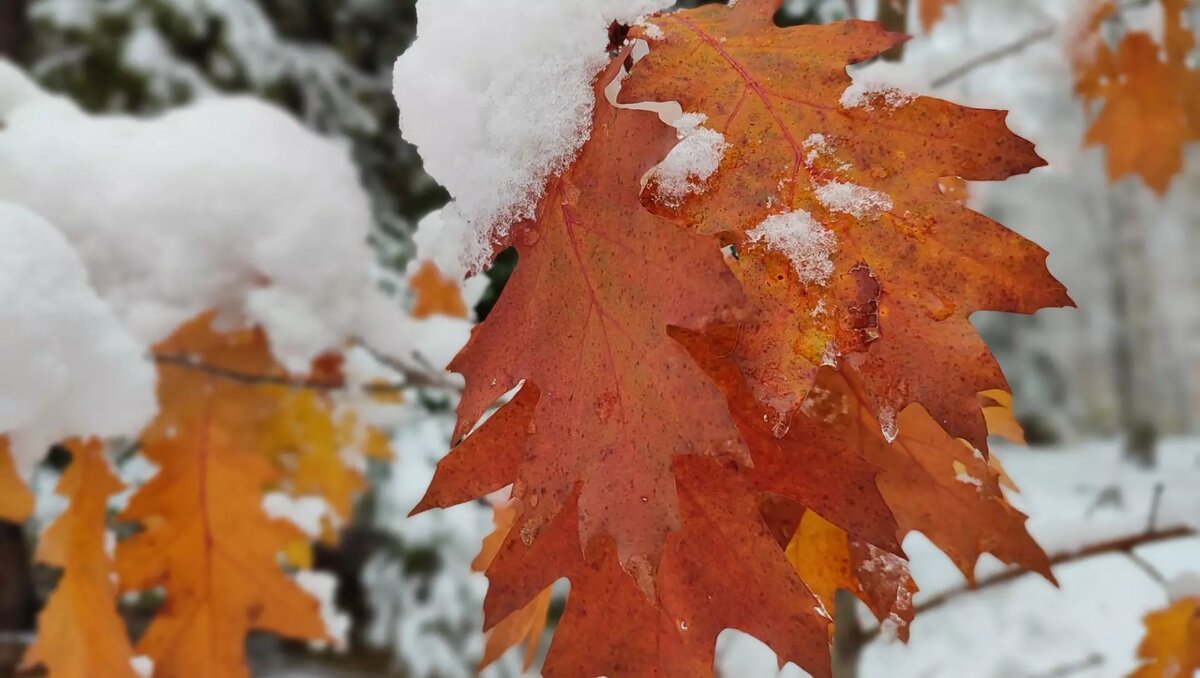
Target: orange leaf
x: 16, y: 501
x: 667, y: 431
x: 887, y: 269
x: 1172, y: 643
x: 924, y: 480
x: 206, y: 541
x: 526, y: 625
x: 930, y: 11
x: 722, y: 569
x: 435, y: 293
x: 1091, y: 60
x: 293, y: 428
x: 583, y: 319
x: 80, y: 634
x: 1143, y: 123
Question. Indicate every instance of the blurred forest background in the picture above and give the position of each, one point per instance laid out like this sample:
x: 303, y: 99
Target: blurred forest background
x: 1124, y: 368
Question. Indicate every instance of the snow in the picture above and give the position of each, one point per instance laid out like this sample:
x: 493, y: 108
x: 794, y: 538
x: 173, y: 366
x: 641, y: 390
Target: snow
x: 817, y: 145
x: 67, y: 365
x: 432, y: 621
x: 865, y: 94
x: 805, y: 242
x: 497, y: 96
x: 691, y: 162
x: 142, y: 665
x: 323, y: 587
x: 858, y: 201
x: 228, y: 203
x: 306, y: 512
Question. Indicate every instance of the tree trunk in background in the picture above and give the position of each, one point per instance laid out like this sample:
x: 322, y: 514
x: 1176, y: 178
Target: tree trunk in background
x: 893, y: 14
x: 848, y: 637
x: 1133, y: 349
x: 13, y: 26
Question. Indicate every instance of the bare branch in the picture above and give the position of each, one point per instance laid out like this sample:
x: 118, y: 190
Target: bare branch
x: 1122, y: 545
x: 190, y: 363
x: 428, y: 376
x: 992, y: 56
x: 1089, y: 662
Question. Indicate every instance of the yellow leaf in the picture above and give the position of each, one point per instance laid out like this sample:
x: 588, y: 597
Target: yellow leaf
x: 80, y: 634
x: 206, y: 541
x: 302, y: 427
x: 16, y: 501
x: 820, y: 552
x: 1000, y: 418
x: 1171, y: 646
x: 435, y: 293
x: 291, y: 427
x: 827, y: 560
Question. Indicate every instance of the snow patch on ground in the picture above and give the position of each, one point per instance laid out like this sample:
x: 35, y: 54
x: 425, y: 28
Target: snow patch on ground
x: 803, y: 240
x: 499, y: 102
x: 306, y: 513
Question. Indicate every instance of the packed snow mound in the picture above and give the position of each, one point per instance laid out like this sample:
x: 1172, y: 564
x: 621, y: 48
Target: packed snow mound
x: 498, y: 103
x: 228, y: 203
x: 67, y: 365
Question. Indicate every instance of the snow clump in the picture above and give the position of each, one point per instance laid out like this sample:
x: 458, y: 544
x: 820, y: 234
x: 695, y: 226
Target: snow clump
x: 67, y: 365
x: 501, y: 101
x: 803, y: 240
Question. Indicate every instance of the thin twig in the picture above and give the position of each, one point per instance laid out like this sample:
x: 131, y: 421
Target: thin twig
x: 190, y: 363
x: 1125, y: 545
x: 1155, y: 502
x: 1121, y: 545
x: 1091, y: 661
x: 430, y: 376
x: 994, y: 55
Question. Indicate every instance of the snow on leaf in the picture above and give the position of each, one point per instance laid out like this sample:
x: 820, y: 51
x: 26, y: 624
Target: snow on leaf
x: 1171, y: 646
x: 806, y: 243
x: 911, y: 264
x: 80, y: 634
x: 689, y: 165
x: 206, y: 541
